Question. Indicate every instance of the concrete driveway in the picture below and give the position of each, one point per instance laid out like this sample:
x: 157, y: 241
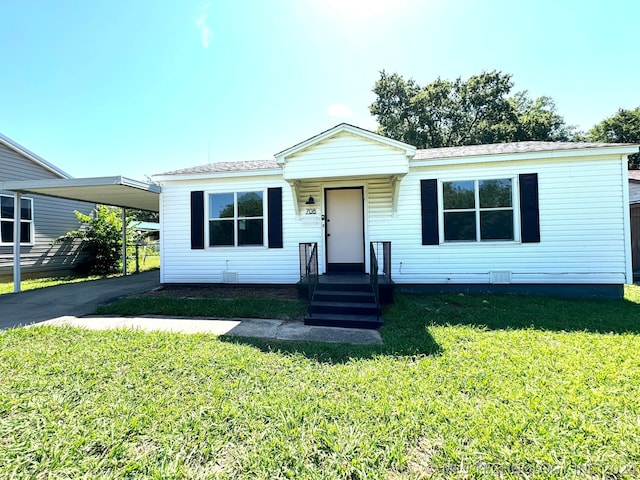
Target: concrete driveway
x: 75, y: 299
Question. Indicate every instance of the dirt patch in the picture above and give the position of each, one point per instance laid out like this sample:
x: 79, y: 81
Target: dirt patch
x: 217, y: 291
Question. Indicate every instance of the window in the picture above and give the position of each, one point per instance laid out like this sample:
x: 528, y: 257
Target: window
x: 236, y: 219
x: 6, y: 220
x: 478, y: 210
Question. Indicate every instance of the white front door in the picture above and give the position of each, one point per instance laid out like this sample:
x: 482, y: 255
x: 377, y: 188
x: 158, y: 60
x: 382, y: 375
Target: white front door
x: 344, y: 222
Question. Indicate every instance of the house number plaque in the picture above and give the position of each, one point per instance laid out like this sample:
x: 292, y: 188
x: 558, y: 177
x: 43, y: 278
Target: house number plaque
x: 311, y: 211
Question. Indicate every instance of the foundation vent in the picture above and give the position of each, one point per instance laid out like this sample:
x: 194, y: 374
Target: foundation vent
x: 500, y: 276
x: 229, y: 277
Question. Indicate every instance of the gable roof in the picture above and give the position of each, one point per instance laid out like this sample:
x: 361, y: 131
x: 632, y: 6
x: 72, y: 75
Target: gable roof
x: 506, y: 148
x: 262, y: 166
x: 16, y: 147
x: 344, y: 128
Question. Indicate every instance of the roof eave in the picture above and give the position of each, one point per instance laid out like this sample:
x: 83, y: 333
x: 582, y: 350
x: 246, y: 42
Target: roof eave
x: 216, y: 175
x: 16, y: 147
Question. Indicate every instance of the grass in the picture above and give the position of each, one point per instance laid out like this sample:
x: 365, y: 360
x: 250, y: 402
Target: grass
x: 464, y: 387
x: 282, y: 309
x: 31, y: 284
x: 150, y: 263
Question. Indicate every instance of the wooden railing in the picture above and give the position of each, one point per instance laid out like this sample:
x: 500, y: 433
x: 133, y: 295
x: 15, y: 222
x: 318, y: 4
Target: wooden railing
x: 309, y: 266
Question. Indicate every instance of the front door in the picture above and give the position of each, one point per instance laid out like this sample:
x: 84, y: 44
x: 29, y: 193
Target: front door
x: 344, y: 222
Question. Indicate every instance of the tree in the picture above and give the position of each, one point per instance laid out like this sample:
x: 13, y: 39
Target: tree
x: 143, y: 215
x: 538, y: 120
x: 101, y: 233
x: 449, y: 113
x: 623, y: 127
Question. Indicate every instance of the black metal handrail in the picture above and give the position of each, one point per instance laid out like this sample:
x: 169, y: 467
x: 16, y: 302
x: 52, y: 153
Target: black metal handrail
x: 309, y: 266
x: 379, y: 254
x: 373, y: 277
x: 383, y: 256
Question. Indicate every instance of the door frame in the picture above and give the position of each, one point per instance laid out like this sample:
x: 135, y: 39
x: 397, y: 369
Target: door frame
x: 351, y: 268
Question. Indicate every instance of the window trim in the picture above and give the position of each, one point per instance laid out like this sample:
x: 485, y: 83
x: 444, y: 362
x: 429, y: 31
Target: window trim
x: 31, y: 222
x: 235, y: 219
x: 515, y: 207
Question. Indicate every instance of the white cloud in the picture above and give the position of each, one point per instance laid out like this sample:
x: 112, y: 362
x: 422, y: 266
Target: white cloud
x: 205, y: 31
x: 339, y: 110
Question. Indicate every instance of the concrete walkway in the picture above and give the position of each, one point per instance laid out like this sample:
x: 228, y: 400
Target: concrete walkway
x: 72, y: 299
x: 236, y: 327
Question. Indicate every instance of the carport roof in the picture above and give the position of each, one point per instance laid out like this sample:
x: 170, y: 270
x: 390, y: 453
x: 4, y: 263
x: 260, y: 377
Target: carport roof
x: 116, y: 191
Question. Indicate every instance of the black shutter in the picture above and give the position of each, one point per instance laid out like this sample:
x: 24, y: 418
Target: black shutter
x: 197, y: 220
x: 429, y: 208
x: 529, y: 210
x: 274, y: 212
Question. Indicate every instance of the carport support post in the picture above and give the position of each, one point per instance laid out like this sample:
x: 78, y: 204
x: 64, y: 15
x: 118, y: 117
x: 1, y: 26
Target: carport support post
x: 17, y: 200
x: 124, y: 242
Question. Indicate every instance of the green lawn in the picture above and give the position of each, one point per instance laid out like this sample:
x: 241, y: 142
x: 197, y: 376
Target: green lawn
x: 464, y: 387
x: 283, y: 309
x: 150, y: 263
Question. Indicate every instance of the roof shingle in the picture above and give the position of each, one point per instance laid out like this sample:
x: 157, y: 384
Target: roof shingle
x: 505, y: 148
x: 219, y: 167
x: 423, y: 154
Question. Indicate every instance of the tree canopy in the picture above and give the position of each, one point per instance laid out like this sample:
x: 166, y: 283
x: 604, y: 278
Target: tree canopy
x: 623, y: 127
x: 479, y: 110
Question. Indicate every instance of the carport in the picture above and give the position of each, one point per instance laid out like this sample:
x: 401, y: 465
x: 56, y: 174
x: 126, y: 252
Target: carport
x: 114, y: 191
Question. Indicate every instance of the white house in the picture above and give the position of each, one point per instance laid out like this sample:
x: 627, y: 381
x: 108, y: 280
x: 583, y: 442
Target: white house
x: 530, y: 217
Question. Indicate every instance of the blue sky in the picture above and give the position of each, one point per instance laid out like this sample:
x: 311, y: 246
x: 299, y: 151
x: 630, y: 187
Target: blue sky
x: 132, y: 87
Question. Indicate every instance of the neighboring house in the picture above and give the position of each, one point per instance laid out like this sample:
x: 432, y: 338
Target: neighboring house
x: 530, y: 217
x: 634, y: 205
x: 43, y: 219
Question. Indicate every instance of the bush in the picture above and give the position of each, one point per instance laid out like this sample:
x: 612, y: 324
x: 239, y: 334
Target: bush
x: 101, y: 233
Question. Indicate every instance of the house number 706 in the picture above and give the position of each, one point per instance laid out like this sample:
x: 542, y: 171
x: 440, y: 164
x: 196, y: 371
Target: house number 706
x: 311, y: 211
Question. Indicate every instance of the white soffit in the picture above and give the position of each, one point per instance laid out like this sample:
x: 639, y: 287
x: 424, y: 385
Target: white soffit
x: 115, y: 191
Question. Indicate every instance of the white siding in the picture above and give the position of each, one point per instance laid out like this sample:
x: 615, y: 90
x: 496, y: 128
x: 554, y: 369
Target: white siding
x: 180, y: 264
x: 346, y: 155
x: 581, y: 226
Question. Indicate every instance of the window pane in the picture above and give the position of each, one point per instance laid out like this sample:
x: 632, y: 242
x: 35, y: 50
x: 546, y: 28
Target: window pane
x: 221, y: 205
x: 6, y: 207
x: 25, y: 209
x: 250, y: 232
x: 495, y: 193
x: 221, y: 233
x: 250, y: 204
x: 25, y: 232
x: 458, y: 195
x: 459, y: 226
x: 6, y: 231
x: 496, y: 225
